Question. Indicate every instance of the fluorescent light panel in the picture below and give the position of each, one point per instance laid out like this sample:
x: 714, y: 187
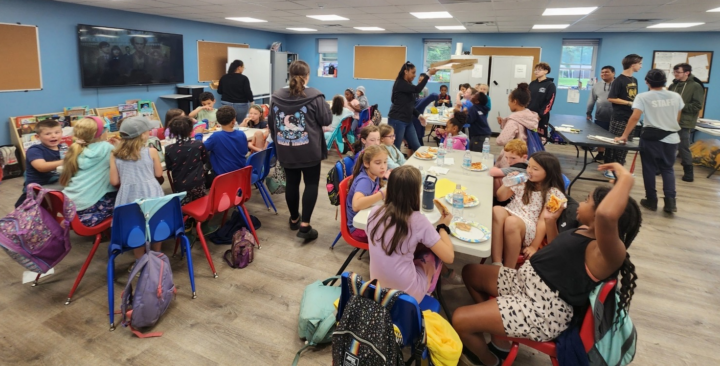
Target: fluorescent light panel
x: 716, y: 10
x: 369, y: 29
x: 550, y: 26
x: 432, y: 15
x: 106, y: 28
x: 450, y: 27
x: 302, y: 29
x: 247, y: 20
x: 569, y: 11
x: 675, y: 25
x: 327, y: 18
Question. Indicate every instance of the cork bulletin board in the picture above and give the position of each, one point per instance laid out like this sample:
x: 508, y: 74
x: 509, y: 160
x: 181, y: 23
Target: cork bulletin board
x: 212, y: 59
x: 20, y: 66
x: 378, y: 62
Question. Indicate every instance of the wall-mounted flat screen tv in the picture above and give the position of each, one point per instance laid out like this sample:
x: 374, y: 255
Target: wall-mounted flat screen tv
x: 111, y: 56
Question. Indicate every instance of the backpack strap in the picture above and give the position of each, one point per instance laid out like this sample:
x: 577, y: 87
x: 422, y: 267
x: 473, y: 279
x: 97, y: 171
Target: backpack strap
x: 227, y: 256
x: 127, y: 293
x: 355, y: 284
x: 326, y: 281
x: 389, y: 298
x: 421, y: 344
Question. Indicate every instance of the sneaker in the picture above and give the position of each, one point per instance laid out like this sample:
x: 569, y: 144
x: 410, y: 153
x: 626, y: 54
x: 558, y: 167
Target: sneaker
x: 600, y: 157
x: 294, y: 225
x: 307, y: 233
x: 452, y: 278
x: 609, y: 175
x: 502, y: 355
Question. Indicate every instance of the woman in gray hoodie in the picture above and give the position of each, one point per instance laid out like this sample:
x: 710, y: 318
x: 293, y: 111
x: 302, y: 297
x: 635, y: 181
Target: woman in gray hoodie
x: 297, y: 116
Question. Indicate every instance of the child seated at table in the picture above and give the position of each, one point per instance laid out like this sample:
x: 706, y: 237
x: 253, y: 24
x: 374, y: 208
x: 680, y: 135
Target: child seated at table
x: 365, y: 189
x: 43, y: 159
x: 169, y: 116
x: 256, y: 119
x: 206, y: 110
x: 228, y: 147
x: 387, y: 137
x: 516, y: 223
x: 369, y: 135
x: 407, y: 250
x: 515, y: 152
x: 454, y: 127
x: 521, y: 119
x: 185, y: 160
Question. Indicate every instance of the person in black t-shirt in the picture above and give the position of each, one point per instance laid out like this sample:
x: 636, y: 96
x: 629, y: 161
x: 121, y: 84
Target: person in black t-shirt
x: 234, y: 87
x: 622, y: 94
x: 542, y: 96
x: 186, y: 160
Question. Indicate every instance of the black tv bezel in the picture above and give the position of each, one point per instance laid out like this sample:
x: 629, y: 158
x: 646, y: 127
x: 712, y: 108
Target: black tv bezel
x: 82, y: 79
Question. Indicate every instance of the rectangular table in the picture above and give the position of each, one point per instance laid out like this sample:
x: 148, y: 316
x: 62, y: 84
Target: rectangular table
x: 713, y: 132
x: 581, y: 139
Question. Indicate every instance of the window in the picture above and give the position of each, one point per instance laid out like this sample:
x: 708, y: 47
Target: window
x: 577, y: 62
x: 437, y: 50
x: 327, y: 49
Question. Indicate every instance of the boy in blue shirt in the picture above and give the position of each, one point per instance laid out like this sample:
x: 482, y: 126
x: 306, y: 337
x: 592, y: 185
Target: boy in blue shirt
x: 228, y: 147
x: 43, y: 159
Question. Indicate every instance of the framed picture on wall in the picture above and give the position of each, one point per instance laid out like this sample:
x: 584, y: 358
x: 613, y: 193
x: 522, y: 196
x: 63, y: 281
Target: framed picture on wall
x: 701, y: 62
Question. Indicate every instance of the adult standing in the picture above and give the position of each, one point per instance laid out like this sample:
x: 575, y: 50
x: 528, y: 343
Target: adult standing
x: 599, y: 96
x: 622, y: 94
x: 403, y: 109
x: 234, y: 87
x: 542, y: 96
x: 691, y: 90
x: 297, y: 116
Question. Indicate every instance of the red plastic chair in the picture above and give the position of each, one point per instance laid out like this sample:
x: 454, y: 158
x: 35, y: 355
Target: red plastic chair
x: 345, y: 128
x: 222, y: 196
x: 587, y: 333
x: 344, y: 231
x: 56, y: 200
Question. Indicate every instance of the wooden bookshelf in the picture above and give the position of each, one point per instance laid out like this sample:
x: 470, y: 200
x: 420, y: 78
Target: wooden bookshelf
x: 114, y: 109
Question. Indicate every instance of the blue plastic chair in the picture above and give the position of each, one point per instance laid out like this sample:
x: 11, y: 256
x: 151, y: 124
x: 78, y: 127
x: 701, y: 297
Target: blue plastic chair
x: 260, y: 162
x: 337, y: 141
x: 406, y: 314
x: 349, y: 165
x: 534, y: 143
x: 128, y: 233
x: 566, y: 180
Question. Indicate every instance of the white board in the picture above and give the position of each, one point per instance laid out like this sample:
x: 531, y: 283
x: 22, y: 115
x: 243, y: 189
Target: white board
x: 257, y: 68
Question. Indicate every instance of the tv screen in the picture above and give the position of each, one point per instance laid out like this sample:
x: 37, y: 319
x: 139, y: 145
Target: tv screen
x: 118, y: 57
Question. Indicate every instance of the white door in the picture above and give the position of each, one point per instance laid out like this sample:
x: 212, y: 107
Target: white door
x: 477, y: 75
x: 506, y: 72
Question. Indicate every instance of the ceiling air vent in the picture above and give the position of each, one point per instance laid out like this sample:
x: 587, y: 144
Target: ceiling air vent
x: 488, y: 23
x: 642, y: 21
x: 333, y: 26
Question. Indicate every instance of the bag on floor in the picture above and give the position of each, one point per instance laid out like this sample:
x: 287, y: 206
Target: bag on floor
x: 154, y: 291
x: 615, y: 337
x: 317, y: 314
x: 276, y: 181
x: 32, y: 236
x: 242, y: 251
x: 224, y: 235
x: 366, y: 334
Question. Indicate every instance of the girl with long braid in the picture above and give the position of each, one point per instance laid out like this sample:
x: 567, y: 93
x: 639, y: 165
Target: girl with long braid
x: 540, y: 299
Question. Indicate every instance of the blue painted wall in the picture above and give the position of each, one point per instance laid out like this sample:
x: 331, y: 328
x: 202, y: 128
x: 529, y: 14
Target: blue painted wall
x: 613, y: 47
x: 58, y: 22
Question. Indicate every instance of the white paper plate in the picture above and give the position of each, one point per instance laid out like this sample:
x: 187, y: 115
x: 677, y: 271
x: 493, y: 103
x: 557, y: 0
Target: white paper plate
x: 485, y: 167
x: 244, y: 128
x: 472, y: 203
x: 419, y: 158
x: 477, y: 233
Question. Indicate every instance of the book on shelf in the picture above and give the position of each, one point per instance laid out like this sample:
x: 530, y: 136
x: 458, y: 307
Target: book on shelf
x: 24, y: 120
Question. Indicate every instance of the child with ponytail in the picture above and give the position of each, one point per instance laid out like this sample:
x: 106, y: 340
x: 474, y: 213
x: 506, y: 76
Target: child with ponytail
x: 370, y: 167
x: 185, y: 160
x: 86, y: 172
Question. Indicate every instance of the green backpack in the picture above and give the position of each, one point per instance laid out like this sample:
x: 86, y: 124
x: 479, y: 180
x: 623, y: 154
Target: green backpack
x: 317, y: 314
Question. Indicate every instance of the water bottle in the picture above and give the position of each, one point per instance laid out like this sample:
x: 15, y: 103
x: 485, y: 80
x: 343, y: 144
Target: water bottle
x: 467, y: 160
x: 449, y: 143
x: 428, y: 194
x: 458, y: 202
x: 63, y: 148
x: 515, y: 179
x: 440, y: 160
x: 486, y: 149
x: 422, y: 173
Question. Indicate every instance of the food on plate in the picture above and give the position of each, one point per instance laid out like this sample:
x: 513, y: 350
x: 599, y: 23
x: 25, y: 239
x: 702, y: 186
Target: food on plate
x: 462, y: 226
x: 555, y: 203
x: 467, y: 198
x: 432, y: 149
x: 424, y: 155
x: 443, y: 210
x: 477, y: 166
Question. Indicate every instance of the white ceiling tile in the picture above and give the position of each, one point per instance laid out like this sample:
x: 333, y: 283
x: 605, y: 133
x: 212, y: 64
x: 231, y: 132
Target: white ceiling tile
x: 383, y: 10
x: 281, y: 5
x: 523, y: 4
x: 484, y: 7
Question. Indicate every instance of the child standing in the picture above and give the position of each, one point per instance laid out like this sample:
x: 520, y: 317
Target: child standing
x: 516, y: 124
x: 365, y: 186
x: 485, y: 89
x: 86, y: 172
x: 387, y: 137
x: 136, y: 167
x: 185, y: 160
x: 206, y: 110
x: 477, y: 119
x: 228, y: 147
x: 256, y: 119
x: 42, y: 159
x: 362, y: 98
x: 518, y: 220
x: 396, y: 230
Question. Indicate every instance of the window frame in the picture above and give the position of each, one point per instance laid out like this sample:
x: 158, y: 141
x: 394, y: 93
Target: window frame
x: 426, y: 65
x: 326, y: 59
x: 595, y: 44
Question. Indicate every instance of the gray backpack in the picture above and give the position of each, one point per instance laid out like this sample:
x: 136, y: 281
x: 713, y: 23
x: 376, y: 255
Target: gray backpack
x: 154, y: 291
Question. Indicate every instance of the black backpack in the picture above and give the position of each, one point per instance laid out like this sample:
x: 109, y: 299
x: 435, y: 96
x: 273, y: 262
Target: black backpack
x: 334, y: 177
x: 375, y: 115
x: 365, y: 335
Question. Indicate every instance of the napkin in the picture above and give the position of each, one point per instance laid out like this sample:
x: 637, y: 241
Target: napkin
x: 436, y: 170
x: 449, y: 161
x: 445, y: 186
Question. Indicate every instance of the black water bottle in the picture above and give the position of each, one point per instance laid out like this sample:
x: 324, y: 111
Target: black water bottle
x: 429, y: 193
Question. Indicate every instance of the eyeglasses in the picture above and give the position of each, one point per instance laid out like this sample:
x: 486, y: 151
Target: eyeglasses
x: 389, y: 137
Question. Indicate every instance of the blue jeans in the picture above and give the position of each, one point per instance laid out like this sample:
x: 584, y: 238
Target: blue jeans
x: 420, y: 106
x: 241, y: 109
x: 404, y: 130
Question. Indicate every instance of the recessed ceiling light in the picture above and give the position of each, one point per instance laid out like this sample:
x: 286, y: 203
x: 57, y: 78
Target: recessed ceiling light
x: 450, y: 27
x: 106, y: 28
x: 302, y: 29
x: 714, y: 10
x: 569, y: 11
x: 675, y: 25
x: 550, y: 26
x: 247, y: 20
x: 369, y: 28
x: 327, y: 17
x: 432, y: 15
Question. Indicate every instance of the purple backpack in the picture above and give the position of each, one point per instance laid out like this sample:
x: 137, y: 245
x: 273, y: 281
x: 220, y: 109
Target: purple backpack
x: 154, y: 291
x: 32, y: 236
x: 242, y: 251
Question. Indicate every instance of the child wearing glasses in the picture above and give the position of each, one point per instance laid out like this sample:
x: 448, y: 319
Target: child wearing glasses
x: 387, y: 138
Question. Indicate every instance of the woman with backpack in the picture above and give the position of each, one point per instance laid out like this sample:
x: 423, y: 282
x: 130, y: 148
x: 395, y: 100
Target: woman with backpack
x: 403, y: 109
x: 297, y: 116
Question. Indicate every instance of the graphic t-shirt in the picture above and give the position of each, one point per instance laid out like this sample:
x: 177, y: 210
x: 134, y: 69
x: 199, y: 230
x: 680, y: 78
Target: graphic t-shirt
x: 186, y: 160
x: 624, y: 88
x: 661, y: 109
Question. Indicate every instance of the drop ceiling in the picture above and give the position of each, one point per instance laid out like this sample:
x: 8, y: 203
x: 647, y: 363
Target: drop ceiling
x: 498, y: 16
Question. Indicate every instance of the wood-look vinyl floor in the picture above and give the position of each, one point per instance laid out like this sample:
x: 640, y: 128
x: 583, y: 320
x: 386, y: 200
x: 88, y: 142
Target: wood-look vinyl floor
x: 249, y: 316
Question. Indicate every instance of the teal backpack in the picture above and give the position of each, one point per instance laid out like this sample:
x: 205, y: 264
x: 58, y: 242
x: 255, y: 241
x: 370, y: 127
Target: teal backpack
x: 317, y: 314
x: 615, y: 341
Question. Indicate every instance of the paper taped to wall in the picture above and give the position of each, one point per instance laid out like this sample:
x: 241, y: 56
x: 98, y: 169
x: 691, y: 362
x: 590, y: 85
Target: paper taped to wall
x: 573, y: 96
x: 477, y: 71
x: 520, y: 71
